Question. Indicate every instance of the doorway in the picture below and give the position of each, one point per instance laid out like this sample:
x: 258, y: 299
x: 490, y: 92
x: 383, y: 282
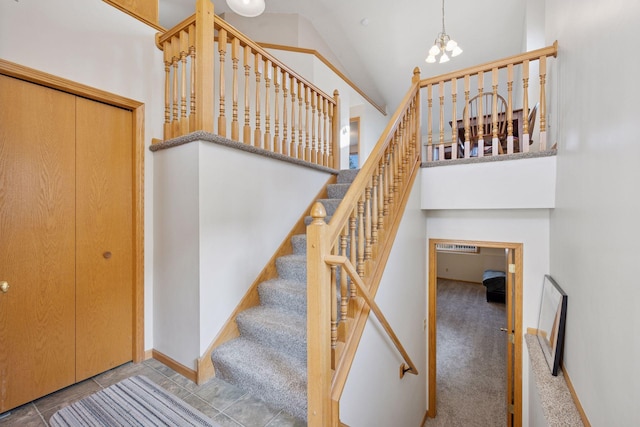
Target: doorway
x: 513, y: 310
x: 354, y: 142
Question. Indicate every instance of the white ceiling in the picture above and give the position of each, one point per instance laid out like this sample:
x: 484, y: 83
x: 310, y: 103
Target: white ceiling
x: 380, y: 57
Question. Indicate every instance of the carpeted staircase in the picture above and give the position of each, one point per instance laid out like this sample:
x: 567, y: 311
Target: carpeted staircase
x: 269, y: 359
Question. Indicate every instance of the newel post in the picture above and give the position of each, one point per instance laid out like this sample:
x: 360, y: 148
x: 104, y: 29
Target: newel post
x: 335, y: 132
x: 204, y: 65
x: 318, y: 321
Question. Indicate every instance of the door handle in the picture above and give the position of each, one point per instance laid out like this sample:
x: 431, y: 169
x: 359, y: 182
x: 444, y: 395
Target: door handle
x: 504, y: 329
x: 4, y: 286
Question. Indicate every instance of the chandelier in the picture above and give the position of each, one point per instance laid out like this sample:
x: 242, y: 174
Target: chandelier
x: 248, y: 8
x: 442, y: 45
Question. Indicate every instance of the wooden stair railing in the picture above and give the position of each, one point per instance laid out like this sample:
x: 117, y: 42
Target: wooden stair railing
x: 346, y: 258
x: 454, y: 137
x: 264, y: 103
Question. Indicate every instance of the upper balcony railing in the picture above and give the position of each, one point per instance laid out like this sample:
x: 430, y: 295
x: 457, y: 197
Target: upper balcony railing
x: 493, y: 118
x: 277, y: 109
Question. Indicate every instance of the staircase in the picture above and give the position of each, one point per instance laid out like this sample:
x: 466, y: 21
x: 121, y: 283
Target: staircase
x: 269, y: 358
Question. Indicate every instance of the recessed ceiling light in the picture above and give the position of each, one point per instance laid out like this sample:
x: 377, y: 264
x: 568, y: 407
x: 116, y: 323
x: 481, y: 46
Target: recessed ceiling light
x: 364, y: 21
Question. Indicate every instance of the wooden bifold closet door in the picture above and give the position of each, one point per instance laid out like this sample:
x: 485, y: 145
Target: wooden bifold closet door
x: 66, y: 239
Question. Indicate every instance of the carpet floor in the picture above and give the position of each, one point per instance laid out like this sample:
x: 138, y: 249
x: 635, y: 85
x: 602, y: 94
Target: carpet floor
x: 471, y: 357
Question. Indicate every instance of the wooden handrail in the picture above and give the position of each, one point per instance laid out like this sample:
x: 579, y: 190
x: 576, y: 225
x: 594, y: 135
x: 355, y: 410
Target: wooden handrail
x: 356, y: 243
x: 362, y: 291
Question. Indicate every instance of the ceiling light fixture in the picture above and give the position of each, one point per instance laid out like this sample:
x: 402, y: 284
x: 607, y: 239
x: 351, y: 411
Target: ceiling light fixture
x: 442, y: 45
x: 248, y: 8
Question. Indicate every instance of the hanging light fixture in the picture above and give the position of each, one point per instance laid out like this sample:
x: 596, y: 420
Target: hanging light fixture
x: 442, y: 45
x: 248, y: 8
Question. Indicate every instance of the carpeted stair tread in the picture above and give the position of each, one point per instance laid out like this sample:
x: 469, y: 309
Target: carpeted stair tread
x: 292, y: 267
x: 285, y: 294
x: 299, y: 243
x: 347, y: 176
x: 278, y: 379
x: 330, y: 205
x: 337, y: 191
x: 281, y: 330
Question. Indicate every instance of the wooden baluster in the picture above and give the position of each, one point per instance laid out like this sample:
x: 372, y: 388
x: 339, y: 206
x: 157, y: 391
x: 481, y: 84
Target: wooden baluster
x: 327, y: 141
x: 314, y: 152
x: 374, y: 210
x: 307, y: 152
x: 166, y: 51
x: 361, y: 237
x: 235, y: 57
x: 246, y: 130
x: 494, y: 113
x: 525, y: 137
x: 381, y: 195
x: 334, y: 148
x: 184, y: 51
x: 367, y: 225
x: 285, y: 141
x: 267, y: 112
x: 510, y: 147
x: 175, y: 60
x: 480, y: 115
x: 293, y: 150
x: 353, y: 245
x: 465, y: 118
x: 387, y: 168
x: 454, y: 120
x: 543, y: 104
x: 192, y: 85
x: 222, y: 50
x: 277, y: 143
x: 429, y: 123
x: 321, y: 142
x: 344, y: 286
x: 441, y: 139
x: 257, y: 135
x: 334, y: 313
x: 404, y: 148
x: 301, y: 147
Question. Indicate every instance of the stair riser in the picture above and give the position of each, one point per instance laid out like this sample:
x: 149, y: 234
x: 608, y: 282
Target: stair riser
x: 283, y: 299
x: 292, y: 269
x: 293, y: 345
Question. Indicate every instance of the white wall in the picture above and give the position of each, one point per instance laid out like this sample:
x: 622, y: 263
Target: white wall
x: 527, y: 226
x: 469, y: 267
x: 594, y: 228
x: 527, y: 183
x: 94, y: 44
x: 221, y: 214
x: 374, y: 394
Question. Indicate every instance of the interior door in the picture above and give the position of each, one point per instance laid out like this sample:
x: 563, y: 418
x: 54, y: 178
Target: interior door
x: 104, y: 237
x: 37, y: 243
x: 510, y: 302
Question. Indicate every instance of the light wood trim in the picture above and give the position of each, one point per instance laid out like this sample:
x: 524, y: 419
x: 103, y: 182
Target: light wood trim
x: 148, y: 354
x: 143, y: 10
x: 574, y: 396
x: 432, y: 288
x: 362, y: 291
x: 176, y: 366
x: 137, y: 108
x: 501, y: 63
x: 424, y: 419
x: 251, y: 298
x: 326, y: 62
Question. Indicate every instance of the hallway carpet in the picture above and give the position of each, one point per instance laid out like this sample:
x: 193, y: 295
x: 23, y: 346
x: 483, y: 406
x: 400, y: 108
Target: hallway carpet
x: 471, y: 357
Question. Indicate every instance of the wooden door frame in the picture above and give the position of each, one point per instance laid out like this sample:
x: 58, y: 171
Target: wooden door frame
x: 137, y: 109
x: 431, y: 335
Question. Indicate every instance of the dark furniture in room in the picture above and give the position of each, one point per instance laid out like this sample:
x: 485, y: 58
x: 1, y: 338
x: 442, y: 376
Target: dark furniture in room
x: 495, y: 282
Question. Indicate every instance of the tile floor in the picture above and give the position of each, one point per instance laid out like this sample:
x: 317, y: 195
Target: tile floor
x: 224, y: 403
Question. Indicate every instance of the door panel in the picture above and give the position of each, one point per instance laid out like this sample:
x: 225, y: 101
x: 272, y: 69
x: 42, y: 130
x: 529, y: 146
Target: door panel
x: 104, y: 236
x: 37, y: 244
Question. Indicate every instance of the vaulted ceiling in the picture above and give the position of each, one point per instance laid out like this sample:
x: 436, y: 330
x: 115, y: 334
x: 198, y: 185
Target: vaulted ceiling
x: 381, y: 55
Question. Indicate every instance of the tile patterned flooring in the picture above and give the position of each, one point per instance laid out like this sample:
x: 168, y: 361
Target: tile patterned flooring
x: 224, y: 403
